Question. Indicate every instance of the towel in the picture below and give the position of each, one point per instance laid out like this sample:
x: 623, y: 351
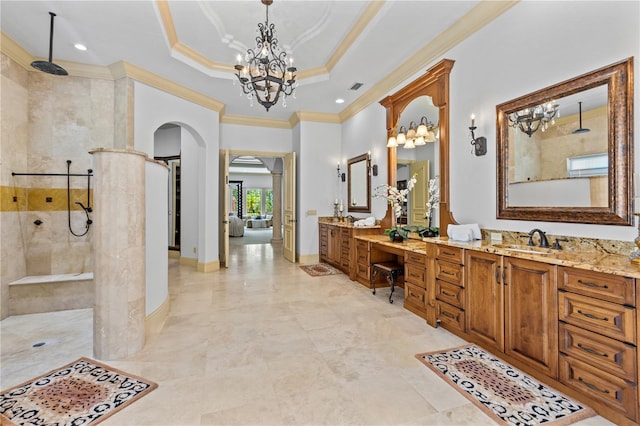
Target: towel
x: 467, y: 232
x: 370, y: 221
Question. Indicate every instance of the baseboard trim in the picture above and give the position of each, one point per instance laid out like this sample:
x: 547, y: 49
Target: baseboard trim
x: 214, y: 265
x: 154, y: 322
x: 308, y: 259
x: 174, y: 254
x: 188, y: 261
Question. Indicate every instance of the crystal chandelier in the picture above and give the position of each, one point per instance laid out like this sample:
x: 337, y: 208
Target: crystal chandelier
x: 266, y: 75
x: 529, y: 120
x: 415, y: 136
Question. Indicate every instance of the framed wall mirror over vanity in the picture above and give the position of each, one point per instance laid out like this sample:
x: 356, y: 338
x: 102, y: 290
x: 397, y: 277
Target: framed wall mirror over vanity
x: 359, y: 185
x: 565, y: 153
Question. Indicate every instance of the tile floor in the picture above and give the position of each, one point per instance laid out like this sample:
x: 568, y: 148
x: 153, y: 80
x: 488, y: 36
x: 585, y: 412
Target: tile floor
x: 263, y: 343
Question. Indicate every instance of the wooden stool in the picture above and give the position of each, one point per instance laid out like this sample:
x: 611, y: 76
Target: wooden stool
x: 391, y: 270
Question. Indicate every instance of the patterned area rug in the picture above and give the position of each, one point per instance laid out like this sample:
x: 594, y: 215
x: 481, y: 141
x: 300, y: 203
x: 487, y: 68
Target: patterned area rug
x: 320, y: 269
x: 503, y: 392
x: 82, y: 392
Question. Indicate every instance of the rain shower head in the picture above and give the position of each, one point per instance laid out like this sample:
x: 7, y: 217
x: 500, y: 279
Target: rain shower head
x: 48, y: 66
x: 580, y: 129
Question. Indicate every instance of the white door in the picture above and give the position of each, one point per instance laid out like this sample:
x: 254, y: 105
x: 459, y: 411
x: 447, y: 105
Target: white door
x: 223, y: 207
x: 418, y: 196
x: 289, y: 225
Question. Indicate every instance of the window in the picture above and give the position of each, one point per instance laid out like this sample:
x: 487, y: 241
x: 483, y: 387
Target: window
x: 588, y: 165
x: 254, y: 201
x: 268, y: 201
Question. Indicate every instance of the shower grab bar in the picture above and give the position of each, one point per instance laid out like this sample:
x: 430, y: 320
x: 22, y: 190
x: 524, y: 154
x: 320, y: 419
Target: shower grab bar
x: 51, y: 174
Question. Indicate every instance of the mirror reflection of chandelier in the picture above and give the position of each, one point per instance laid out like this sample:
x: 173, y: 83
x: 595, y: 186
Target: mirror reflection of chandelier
x: 266, y: 75
x: 529, y: 120
x: 415, y: 136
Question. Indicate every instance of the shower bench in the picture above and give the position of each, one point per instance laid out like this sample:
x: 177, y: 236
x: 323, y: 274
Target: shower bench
x: 48, y: 293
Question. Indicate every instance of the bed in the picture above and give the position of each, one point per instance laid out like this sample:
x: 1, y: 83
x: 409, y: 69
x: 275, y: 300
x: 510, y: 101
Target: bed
x: 236, y: 226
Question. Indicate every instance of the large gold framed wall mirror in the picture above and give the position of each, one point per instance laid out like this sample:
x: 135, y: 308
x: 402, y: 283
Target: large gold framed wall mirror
x: 565, y: 153
x: 426, y: 99
x: 359, y: 185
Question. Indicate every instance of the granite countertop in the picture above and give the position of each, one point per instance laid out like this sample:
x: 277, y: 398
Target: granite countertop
x: 346, y: 224
x: 593, y: 261
x: 410, y: 244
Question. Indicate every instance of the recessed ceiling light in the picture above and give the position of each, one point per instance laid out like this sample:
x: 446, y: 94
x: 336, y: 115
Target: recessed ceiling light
x: 339, y: 101
x: 80, y: 46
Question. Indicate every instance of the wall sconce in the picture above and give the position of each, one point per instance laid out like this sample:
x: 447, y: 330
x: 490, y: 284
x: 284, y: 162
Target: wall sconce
x: 341, y: 176
x: 480, y: 142
x: 373, y: 169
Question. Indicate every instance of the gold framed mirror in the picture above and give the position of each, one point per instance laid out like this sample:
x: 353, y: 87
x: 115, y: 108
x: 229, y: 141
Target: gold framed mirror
x: 434, y: 84
x: 565, y: 152
x: 359, y: 185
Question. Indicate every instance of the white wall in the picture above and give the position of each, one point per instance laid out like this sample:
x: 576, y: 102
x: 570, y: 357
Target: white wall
x: 200, y: 128
x: 319, y: 153
x: 364, y: 132
x: 483, y: 78
x: 531, y: 46
x: 255, y: 139
x: 156, y: 239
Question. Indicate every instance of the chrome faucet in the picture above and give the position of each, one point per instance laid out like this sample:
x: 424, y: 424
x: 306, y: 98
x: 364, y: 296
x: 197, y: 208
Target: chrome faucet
x: 543, y: 238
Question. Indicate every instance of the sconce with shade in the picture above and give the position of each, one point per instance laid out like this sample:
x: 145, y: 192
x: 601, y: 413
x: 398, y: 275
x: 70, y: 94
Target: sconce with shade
x: 530, y: 120
x: 479, y: 143
x: 416, y: 135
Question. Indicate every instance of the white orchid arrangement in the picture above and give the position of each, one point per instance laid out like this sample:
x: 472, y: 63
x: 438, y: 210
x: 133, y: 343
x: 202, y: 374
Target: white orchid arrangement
x: 394, y: 196
x: 433, y: 199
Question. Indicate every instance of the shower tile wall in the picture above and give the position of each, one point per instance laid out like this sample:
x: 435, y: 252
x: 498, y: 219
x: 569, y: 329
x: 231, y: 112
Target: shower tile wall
x: 45, y: 121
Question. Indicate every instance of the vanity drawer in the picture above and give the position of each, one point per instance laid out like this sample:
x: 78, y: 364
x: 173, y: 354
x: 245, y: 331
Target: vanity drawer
x: 614, y: 288
x: 414, y: 295
x: 450, y: 272
x: 415, y: 274
x: 450, y: 293
x: 450, y: 254
x: 363, y: 270
x: 362, y: 252
x: 417, y: 259
x: 450, y: 316
x: 594, y: 383
x: 606, y: 354
x: 609, y: 319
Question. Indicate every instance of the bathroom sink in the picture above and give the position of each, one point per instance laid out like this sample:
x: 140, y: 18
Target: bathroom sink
x: 522, y: 248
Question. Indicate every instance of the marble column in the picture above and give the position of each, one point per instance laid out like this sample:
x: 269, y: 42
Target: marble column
x: 277, y: 206
x: 119, y: 253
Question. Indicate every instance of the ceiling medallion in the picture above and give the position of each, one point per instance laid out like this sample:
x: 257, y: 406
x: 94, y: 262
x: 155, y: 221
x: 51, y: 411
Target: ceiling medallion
x: 266, y: 75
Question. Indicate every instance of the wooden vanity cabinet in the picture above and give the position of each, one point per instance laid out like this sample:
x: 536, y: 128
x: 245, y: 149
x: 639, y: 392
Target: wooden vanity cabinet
x: 511, y: 308
x: 337, y: 246
x: 531, y: 314
x: 485, y: 299
x: 450, y: 288
x: 598, y: 340
x: 415, y: 283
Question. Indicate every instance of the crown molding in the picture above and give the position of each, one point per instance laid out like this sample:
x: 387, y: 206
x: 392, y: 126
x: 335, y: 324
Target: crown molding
x: 478, y: 17
x: 356, y: 30
x: 122, y: 69
x: 14, y: 51
x: 318, y: 117
x: 242, y: 120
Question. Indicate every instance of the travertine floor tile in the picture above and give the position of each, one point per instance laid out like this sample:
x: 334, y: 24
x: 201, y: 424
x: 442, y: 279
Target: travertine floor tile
x: 264, y: 343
